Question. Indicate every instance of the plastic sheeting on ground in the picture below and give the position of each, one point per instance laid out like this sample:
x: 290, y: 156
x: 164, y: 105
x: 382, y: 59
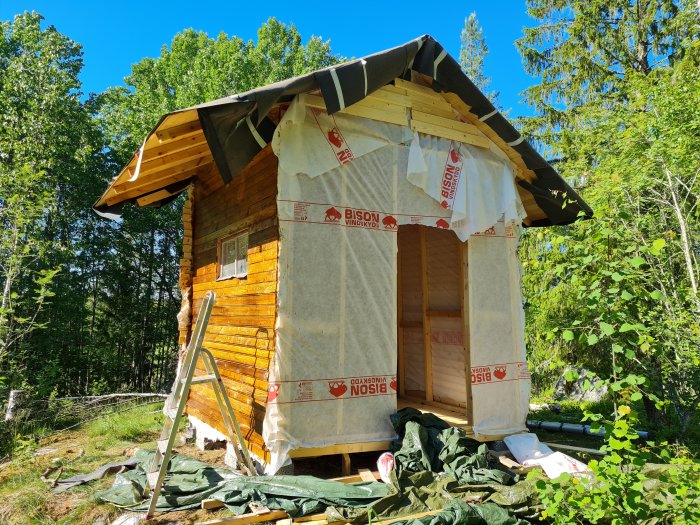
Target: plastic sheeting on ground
x: 438, y: 469
x: 189, y: 482
x: 527, y: 450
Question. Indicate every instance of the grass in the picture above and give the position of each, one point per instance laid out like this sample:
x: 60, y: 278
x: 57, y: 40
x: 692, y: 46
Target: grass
x: 25, y: 499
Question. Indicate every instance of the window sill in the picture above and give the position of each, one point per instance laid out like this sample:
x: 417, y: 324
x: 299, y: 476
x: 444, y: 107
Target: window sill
x: 244, y: 276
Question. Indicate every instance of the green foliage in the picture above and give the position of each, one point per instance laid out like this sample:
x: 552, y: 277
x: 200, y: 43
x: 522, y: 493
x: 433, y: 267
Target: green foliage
x: 619, y: 294
x: 137, y: 425
x: 583, y: 51
x: 625, y: 284
x: 88, y: 305
x: 633, y: 483
x: 618, y: 106
x: 41, y: 142
x: 196, y: 68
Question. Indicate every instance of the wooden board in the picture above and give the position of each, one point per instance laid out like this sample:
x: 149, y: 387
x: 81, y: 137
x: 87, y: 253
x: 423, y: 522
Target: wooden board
x: 425, y: 298
x: 340, y: 448
x: 370, y: 108
x: 246, y: 519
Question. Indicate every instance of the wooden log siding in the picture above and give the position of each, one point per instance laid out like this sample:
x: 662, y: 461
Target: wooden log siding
x: 185, y: 281
x: 241, y: 332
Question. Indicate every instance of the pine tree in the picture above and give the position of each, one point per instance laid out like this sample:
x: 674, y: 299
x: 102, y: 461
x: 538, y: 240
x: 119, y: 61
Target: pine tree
x: 582, y: 51
x: 472, y: 53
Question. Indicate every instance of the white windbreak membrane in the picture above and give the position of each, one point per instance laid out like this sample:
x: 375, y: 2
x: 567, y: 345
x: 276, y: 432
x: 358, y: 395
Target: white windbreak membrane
x: 500, y: 378
x: 343, y: 190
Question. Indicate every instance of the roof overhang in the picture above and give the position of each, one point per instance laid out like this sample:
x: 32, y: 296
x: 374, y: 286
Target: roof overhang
x: 224, y: 135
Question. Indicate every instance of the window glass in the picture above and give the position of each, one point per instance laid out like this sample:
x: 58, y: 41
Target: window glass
x: 234, y: 257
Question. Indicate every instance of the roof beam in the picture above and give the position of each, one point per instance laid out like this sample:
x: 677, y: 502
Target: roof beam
x: 175, y: 131
x: 176, y: 175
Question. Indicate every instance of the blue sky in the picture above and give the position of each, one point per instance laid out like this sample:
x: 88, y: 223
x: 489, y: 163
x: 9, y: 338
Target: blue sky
x: 116, y: 34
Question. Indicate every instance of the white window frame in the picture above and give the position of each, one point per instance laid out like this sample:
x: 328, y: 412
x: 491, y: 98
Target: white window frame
x: 239, y: 269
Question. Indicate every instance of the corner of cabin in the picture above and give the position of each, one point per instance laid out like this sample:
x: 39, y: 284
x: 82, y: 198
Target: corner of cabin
x: 241, y: 331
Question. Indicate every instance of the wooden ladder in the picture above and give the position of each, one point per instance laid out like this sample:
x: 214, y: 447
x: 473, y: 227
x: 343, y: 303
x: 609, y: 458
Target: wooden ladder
x: 175, y: 406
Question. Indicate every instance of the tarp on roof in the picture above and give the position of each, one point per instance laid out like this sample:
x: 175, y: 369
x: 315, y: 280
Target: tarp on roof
x: 237, y: 127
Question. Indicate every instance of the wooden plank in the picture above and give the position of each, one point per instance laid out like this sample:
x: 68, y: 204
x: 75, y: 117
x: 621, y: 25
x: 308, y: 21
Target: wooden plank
x: 175, y: 132
x: 413, y: 87
x: 157, y: 167
x: 445, y: 313
x: 211, y: 504
x: 355, y: 478
x: 245, y: 519
x: 388, y: 95
x: 340, y: 448
x: 241, y: 224
x: 432, y: 109
x: 159, y: 150
x: 401, y: 361
x: 449, y: 414
x: 347, y: 464
x: 154, y: 197
x: 366, y: 474
x: 383, y: 115
x: 450, y: 123
x: 571, y: 448
x: 311, y: 518
x: 447, y: 133
x: 522, y: 171
x: 425, y: 302
x: 202, y: 165
x: 371, y: 109
x: 179, y: 117
x: 392, y: 88
x: 464, y: 300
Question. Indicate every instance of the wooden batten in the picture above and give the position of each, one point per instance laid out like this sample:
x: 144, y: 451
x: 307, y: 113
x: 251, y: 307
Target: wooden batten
x: 425, y: 299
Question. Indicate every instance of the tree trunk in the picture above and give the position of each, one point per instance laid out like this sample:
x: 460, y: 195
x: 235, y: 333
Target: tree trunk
x: 685, y: 237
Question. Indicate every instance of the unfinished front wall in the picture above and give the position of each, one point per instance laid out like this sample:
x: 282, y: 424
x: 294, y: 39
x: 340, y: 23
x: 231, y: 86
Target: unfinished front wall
x: 241, y: 331
x: 349, y: 189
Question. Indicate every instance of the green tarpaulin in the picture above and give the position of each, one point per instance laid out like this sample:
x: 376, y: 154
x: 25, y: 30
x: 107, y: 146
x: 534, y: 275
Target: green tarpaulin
x: 436, y: 467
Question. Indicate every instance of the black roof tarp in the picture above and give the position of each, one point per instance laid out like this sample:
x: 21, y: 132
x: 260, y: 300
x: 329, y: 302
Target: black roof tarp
x: 237, y: 127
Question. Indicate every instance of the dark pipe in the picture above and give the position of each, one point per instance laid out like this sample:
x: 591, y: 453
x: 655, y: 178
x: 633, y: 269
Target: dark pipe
x: 573, y: 428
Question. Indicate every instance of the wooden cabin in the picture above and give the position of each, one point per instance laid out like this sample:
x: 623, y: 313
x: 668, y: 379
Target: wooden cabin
x: 359, y: 226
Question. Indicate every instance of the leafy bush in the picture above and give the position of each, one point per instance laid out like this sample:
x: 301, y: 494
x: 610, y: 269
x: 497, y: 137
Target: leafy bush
x: 633, y: 483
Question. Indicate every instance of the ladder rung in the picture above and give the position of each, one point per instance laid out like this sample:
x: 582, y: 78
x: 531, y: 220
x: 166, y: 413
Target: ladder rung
x: 163, y: 445
x: 152, y: 478
x: 202, y: 379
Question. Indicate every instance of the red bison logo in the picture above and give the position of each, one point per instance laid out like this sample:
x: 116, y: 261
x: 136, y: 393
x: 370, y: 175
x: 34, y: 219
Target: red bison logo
x: 490, y: 231
x: 445, y: 204
x: 442, y: 223
x: 393, y: 383
x: 335, y: 138
x: 272, y: 392
x: 500, y: 372
x: 337, y: 388
x: 332, y: 215
x: 389, y: 222
x: 454, y: 155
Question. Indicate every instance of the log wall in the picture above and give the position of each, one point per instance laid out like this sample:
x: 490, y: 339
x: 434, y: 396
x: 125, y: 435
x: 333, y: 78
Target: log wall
x: 241, y: 332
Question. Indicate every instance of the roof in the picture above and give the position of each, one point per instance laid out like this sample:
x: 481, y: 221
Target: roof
x: 224, y: 135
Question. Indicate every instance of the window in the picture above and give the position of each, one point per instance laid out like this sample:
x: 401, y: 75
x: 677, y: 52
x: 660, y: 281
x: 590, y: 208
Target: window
x: 233, y: 256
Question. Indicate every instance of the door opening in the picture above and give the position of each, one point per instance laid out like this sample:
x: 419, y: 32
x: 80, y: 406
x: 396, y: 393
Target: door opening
x: 431, y: 353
